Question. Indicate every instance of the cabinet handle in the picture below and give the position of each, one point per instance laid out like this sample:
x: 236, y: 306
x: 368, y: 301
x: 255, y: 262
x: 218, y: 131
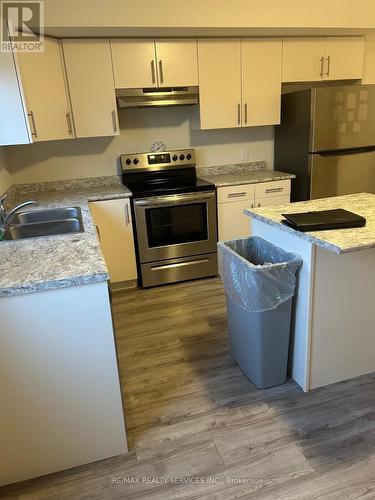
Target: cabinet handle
x: 153, y: 71
x: 127, y: 215
x: 321, y: 67
x: 245, y: 113
x: 274, y: 190
x: 239, y: 114
x: 252, y: 205
x: 259, y: 204
x: 161, y: 71
x: 97, y: 230
x: 236, y: 195
x: 328, y: 65
x: 114, y: 122
x: 69, y: 120
x: 33, y: 126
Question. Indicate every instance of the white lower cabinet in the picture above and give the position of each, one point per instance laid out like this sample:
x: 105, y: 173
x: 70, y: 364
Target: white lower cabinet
x: 233, y: 200
x: 114, y: 223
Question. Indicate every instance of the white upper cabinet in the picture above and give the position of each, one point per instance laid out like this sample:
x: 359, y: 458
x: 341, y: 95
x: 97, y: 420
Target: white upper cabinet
x: 302, y: 59
x: 44, y: 86
x: 219, y: 83
x: 154, y: 63
x: 316, y: 59
x: 239, y: 82
x: 177, y: 62
x: 344, y: 58
x: 261, y: 81
x: 14, y: 127
x: 134, y: 64
x: 91, y: 87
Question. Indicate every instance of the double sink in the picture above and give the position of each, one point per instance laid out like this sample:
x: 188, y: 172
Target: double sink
x: 47, y: 222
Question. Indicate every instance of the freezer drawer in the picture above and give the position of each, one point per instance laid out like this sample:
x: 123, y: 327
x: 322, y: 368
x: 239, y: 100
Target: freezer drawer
x: 336, y: 175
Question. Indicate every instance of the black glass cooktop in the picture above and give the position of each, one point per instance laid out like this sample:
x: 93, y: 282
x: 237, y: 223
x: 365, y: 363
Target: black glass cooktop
x: 159, y: 184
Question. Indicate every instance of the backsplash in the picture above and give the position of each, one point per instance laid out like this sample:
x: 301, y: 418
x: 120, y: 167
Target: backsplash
x: 97, y: 157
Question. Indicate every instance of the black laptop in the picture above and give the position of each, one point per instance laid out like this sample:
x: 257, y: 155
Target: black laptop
x: 322, y: 220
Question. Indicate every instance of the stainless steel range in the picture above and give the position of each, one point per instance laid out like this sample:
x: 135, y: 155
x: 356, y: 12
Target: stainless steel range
x: 175, y: 217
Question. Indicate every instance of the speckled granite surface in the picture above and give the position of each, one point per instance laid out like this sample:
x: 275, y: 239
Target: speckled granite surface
x: 336, y: 241
x: 36, y: 264
x: 242, y: 173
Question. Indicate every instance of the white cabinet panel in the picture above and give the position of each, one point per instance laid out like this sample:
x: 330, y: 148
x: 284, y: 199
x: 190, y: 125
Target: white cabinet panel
x: 272, y: 200
x: 232, y: 222
x: 316, y: 59
x: 261, y: 81
x: 91, y: 87
x: 44, y: 85
x: 134, y: 63
x: 114, y: 223
x: 177, y: 62
x: 274, y: 188
x: 303, y: 59
x: 344, y: 58
x: 219, y: 62
x: 230, y: 194
x: 14, y: 128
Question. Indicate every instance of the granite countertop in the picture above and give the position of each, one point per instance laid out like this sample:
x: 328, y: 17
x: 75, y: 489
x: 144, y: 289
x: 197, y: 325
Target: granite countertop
x: 237, y: 174
x: 337, y: 241
x: 38, y: 264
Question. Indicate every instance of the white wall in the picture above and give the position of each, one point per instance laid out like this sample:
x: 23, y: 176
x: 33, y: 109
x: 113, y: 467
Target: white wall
x: 79, y: 158
x: 4, y: 173
x: 210, y: 13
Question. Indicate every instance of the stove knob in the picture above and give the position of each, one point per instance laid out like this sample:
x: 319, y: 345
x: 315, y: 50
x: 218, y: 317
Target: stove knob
x: 174, y: 157
x: 128, y: 161
x: 188, y: 156
x: 182, y: 157
x: 135, y: 161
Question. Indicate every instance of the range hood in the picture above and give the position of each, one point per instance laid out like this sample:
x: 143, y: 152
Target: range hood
x: 171, y: 96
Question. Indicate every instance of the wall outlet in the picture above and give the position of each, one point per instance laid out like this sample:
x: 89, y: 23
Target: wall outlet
x: 245, y: 154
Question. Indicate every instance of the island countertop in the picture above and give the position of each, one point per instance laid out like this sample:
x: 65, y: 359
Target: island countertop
x: 337, y: 241
x: 51, y: 262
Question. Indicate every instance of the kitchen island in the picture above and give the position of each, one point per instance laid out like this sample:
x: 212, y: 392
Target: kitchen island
x: 333, y: 327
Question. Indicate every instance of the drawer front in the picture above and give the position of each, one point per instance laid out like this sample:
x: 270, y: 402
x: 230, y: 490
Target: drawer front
x: 274, y: 188
x: 272, y: 200
x: 235, y: 193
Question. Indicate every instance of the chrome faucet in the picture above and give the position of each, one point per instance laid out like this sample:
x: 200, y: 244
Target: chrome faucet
x: 5, y: 218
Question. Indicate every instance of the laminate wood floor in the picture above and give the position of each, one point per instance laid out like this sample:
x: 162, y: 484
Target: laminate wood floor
x: 199, y: 429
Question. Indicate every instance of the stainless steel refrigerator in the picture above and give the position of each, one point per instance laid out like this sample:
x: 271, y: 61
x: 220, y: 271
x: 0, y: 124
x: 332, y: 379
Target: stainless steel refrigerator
x: 327, y: 138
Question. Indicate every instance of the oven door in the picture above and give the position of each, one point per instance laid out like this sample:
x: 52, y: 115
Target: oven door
x: 176, y: 225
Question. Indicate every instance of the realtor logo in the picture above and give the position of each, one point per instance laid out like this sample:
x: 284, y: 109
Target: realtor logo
x: 22, y: 26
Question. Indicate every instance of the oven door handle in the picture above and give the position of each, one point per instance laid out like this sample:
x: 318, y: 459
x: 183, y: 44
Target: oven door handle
x: 173, y: 199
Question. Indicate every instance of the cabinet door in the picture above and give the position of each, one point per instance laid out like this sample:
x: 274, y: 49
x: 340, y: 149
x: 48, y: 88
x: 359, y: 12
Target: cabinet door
x: 134, y: 63
x: 344, y: 58
x: 115, y: 229
x: 272, y: 200
x: 261, y: 96
x: 177, y: 62
x: 219, y: 64
x: 14, y: 128
x: 303, y: 59
x: 91, y: 87
x: 232, y: 222
x: 44, y: 84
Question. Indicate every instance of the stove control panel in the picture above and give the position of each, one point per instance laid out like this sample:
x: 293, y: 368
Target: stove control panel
x: 158, y: 160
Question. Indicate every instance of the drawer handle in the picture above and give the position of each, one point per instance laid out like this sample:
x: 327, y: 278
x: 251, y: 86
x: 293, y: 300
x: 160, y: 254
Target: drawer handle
x: 236, y: 195
x: 180, y: 264
x: 274, y: 190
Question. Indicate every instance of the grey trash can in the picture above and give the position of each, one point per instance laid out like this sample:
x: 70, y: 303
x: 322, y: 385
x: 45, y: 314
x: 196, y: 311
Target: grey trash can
x: 259, y: 280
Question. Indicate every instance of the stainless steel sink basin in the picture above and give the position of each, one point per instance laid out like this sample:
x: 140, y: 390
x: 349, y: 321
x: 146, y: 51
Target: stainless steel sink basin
x: 49, y: 222
x: 50, y: 214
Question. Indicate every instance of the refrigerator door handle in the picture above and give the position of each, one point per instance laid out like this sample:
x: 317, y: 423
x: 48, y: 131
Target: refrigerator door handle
x: 346, y: 151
